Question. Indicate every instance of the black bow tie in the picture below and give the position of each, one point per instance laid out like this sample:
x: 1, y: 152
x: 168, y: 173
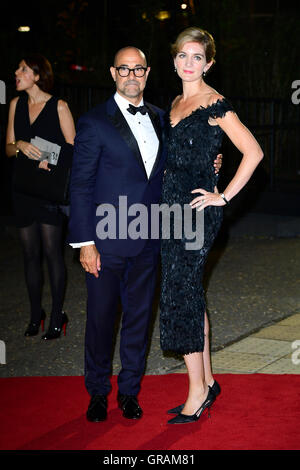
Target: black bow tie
x: 137, y: 109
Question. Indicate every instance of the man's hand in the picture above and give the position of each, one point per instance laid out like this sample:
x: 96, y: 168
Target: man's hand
x: 218, y: 163
x: 90, y: 259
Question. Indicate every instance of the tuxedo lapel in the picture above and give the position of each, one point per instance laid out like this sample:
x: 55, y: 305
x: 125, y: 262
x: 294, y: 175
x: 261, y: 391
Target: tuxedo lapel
x: 117, y: 119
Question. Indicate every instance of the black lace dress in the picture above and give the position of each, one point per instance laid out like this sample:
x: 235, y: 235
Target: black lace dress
x: 193, y: 145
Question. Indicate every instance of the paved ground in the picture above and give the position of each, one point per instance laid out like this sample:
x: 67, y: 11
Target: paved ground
x: 272, y: 350
x: 253, y: 297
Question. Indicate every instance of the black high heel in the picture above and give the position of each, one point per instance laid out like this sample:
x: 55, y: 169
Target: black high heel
x: 215, y: 388
x: 183, y: 419
x: 54, y: 333
x: 33, y: 327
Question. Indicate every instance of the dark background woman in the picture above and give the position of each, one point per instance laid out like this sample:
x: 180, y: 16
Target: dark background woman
x: 37, y: 113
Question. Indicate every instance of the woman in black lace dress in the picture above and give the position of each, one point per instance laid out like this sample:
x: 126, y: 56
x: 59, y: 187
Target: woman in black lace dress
x: 197, y: 121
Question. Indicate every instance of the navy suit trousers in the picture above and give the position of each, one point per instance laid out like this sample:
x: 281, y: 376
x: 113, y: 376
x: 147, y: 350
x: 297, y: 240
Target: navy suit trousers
x: 133, y: 280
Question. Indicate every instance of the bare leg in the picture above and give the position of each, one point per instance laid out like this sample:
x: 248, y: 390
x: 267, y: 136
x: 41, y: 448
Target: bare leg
x: 198, y: 388
x: 200, y: 374
x: 206, y: 354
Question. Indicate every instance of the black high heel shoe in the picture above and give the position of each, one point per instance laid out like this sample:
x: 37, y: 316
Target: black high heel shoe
x: 33, y: 327
x: 183, y: 419
x: 215, y: 388
x: 54, y: 333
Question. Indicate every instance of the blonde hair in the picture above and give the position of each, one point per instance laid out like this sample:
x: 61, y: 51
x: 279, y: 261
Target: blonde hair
x: 194, y: 34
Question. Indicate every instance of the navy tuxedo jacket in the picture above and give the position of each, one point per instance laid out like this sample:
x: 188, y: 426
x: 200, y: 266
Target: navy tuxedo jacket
x: 107, y: 164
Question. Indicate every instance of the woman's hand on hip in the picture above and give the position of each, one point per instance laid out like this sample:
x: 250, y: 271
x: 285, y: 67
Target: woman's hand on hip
x: 206, y: 199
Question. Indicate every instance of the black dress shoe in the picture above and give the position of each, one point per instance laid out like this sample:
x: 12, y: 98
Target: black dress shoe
x: 130, y: 406
x: 97, y: 410
x: 215, y: 388
x: 184, y: 419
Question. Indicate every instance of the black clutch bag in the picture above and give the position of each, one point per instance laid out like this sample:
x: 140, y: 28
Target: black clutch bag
x: 51, y: 185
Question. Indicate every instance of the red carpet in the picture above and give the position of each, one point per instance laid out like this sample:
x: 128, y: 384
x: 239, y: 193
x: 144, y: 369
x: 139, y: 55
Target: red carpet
x: 253, y: 412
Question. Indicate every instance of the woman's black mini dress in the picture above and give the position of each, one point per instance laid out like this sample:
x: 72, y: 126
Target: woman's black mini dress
x: 29, y: 209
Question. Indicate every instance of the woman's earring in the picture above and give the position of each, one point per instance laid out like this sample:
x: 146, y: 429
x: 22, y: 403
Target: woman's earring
x: 175, y: 70
x: 204, y: 73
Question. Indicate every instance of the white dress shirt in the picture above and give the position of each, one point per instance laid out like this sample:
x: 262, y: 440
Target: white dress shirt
x: 143, y: 131
x: 142, y: 128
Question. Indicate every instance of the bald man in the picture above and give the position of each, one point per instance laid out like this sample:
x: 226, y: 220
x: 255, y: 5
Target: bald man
x: 118, y: 152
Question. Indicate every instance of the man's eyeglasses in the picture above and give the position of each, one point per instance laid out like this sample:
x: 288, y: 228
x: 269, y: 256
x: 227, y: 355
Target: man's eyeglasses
x: 125, y: 71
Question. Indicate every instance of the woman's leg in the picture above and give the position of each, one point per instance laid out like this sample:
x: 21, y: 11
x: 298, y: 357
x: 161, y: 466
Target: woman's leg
x: 53, y: 249
x: 31, y: 244
x: 200, y: 374
x: 198, y: 388
x: 206, y: 354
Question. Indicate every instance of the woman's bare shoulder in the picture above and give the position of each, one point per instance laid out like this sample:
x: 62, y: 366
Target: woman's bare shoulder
x: 214, y: 96
x: 62, y: 105
x: 14, y: 101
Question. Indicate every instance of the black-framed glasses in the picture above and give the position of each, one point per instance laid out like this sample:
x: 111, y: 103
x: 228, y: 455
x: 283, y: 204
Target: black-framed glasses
x: 125, y: 71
